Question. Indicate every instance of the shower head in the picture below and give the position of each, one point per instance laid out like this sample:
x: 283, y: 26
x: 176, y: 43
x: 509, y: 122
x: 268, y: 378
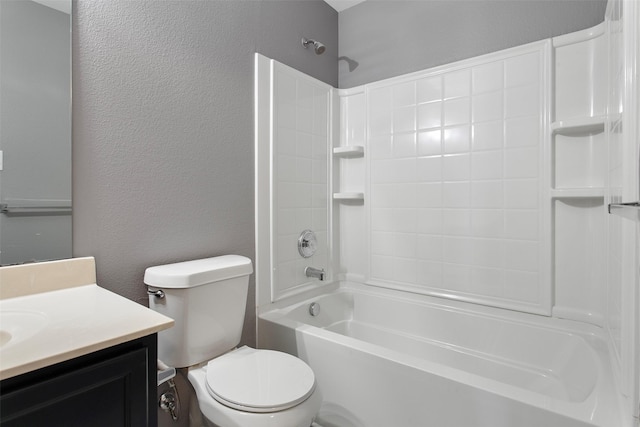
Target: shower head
x: 317, y: 46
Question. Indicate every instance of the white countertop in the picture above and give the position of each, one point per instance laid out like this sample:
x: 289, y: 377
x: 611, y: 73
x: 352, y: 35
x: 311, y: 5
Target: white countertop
x: 77, y: 321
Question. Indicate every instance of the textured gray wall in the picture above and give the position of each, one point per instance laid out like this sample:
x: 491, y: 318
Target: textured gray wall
x: 390, y: 38
x: 163, y: 126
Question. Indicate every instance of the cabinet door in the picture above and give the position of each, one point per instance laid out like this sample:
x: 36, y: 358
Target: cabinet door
x: 108, y: 393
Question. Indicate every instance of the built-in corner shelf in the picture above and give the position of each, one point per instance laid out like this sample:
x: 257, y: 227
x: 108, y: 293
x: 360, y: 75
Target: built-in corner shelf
x: 348, y: 196
x: 576, y: 193
x: 579, y: 125
x: 349, y: 151
x: 629, y: 211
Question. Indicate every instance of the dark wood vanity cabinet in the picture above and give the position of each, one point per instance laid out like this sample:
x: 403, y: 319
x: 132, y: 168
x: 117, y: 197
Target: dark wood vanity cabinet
x: 109, y: 388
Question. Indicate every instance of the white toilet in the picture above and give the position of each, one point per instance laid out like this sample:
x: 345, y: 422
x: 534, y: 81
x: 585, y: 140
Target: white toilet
x: 241, y: 387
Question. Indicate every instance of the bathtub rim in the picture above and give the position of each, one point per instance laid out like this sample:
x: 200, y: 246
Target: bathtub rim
x: 585, y: 330
x: 601, y: 406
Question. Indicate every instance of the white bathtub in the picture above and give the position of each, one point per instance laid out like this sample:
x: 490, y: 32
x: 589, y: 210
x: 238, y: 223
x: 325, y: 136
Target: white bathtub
x: 383, y: 359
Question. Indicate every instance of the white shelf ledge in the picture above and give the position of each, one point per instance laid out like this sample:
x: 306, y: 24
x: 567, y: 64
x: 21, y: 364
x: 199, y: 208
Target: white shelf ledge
x: 579, y: 125
x: 629, y: 211
x: 348, y: 196
x: 349, y: 151
x: 576, y: 193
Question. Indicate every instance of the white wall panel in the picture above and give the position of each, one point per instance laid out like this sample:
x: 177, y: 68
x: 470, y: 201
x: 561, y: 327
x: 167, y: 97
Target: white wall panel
x: 456, y: 182
x: 299, y: 177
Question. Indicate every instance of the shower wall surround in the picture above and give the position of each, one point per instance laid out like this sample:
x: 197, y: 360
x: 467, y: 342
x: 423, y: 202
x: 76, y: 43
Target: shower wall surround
x: 297, y: 177
x: 481, y: 180
x: 300, y: 149
x: 482, y: 184
x: 578, y: 159
x: 455, y: 193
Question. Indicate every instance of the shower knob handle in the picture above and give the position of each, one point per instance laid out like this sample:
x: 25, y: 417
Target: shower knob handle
x: 307, y: 244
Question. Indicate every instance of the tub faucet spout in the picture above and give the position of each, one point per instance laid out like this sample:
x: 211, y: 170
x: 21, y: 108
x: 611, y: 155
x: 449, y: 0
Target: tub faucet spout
x: 314, y: 272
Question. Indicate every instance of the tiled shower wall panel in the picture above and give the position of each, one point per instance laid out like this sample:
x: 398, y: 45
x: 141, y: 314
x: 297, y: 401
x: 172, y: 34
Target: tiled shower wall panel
x: 456, y: 188
x: 300, y: 176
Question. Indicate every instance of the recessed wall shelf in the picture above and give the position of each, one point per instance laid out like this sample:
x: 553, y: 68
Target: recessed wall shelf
x: 579, y: 125
x: 349, y: 151
x: 566, y: 193
x: 348, y: 196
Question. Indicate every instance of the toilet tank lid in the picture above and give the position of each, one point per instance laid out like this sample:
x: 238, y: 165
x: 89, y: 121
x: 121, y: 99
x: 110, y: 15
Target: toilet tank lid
x: 198, y: 272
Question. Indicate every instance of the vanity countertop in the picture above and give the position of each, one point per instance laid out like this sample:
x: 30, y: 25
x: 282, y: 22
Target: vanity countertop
x: 45, y: 328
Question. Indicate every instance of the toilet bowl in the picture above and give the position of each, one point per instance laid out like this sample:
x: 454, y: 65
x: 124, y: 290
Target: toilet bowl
x: 235, y: 387
x: 257, y: 388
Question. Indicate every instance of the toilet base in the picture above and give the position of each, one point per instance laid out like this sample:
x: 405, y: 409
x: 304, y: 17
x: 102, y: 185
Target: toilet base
x: 219, y: 415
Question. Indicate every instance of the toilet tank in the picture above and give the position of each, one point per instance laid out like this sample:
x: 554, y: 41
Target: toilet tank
x: 207, y: 300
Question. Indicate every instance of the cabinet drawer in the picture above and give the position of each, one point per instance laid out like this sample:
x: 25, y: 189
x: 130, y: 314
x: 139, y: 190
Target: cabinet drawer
x: 109, y: 393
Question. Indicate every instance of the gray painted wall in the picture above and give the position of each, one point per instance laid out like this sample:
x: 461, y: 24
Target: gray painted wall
x: 390, y: 38
x: 163, y: 126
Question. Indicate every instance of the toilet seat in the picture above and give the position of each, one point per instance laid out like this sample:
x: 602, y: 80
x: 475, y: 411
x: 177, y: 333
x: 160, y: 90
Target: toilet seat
x: 259, y: 381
